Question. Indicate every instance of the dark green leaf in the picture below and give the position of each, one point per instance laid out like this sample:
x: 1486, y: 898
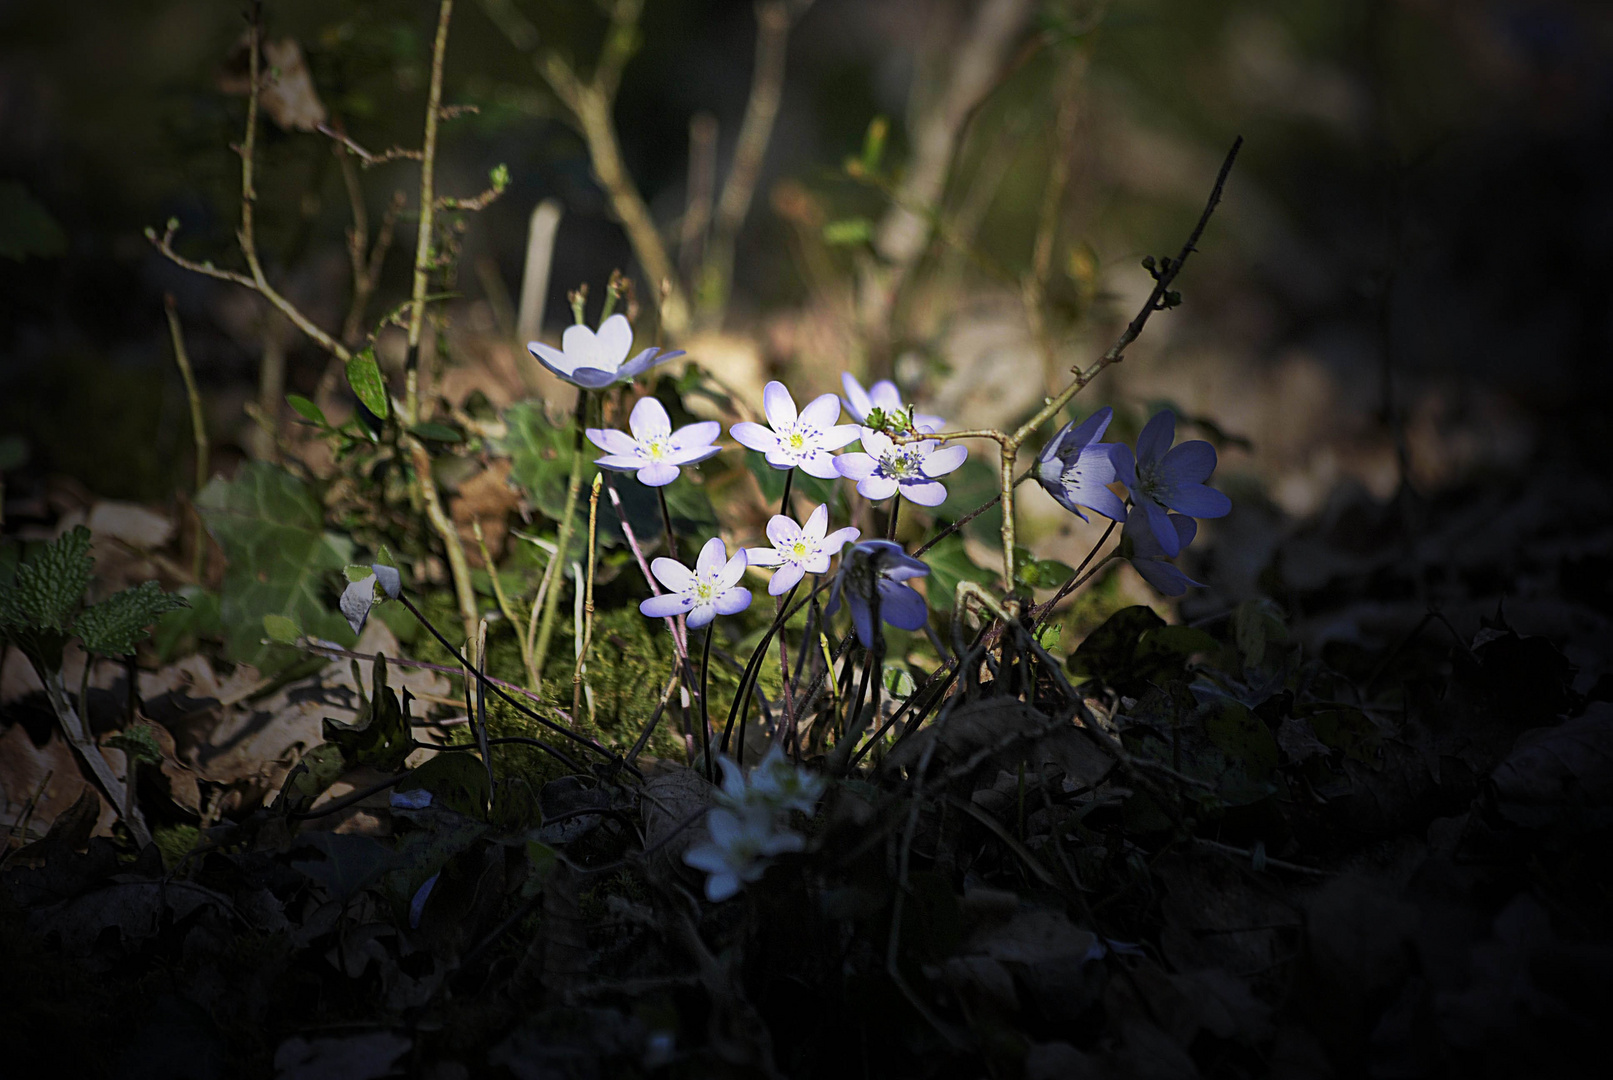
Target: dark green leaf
x: 379, y: 736
x: 112, y: 627
x: 436, y: 432
x: 364, y: 376
x: 457, y: 781
x: 307, y: 409
x: 270, y: 526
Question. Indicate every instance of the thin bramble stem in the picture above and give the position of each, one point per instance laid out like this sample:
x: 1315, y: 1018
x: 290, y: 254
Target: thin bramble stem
x: 428, y: 208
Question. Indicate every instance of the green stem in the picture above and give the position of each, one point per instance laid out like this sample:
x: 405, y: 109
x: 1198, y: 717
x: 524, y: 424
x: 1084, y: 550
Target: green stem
x: 666, y: 523
x: 705, y: 713
x: 551, y: 603
x: 784, y: 503
x: 890, y: 526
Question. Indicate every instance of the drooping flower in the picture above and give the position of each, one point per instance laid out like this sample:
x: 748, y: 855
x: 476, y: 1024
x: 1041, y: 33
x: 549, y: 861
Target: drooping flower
x: 1141, y: 548
x: 360, y: 596
x: 883, y: 396
x: 799, y: 549
x: 1161, y: 479
x: 654, y: 450
x: 1076, y: 469
x: 739, y: 850
x: 798, y: 440
x: 877, y: 569
x: 712, y: 588
x: 594, y: 361
x: 886, y: 467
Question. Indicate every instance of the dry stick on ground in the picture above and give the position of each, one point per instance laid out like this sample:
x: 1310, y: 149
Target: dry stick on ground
x: 1009, y: 443
x: 590, y: 103
x: 198, y: 429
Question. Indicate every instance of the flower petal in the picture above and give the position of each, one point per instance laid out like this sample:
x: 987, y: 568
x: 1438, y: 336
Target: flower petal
x: 622, y: 462
x: 700, y: 615
x: 649, y: 420
x: 1157, y: 436
x: 945, y: 460
x: 692, y: 455
x: 712, y: 558
x: 593, y: 378
x: 1190, y: 463
x: 839, y: 539
x: 857, y: 401
x: 1196, y: 500
x: 782, y: 530
x: 763, y: 556
x: 817, y: 523
x: 1125, y: 466
x: 822, y: 412
x: 1164, y: 532
x: 1165, y: 578
x: 778, y: 405
x: 754, y: 436
x: 786, y: 579
x: 862, y: 618
x: 875, y: 487
x: 580, y: 345
x: 665, y: 605
x: 886, y: 396
x: 732, y: 570
x: 612, y: 441
x: 924, y: 492
x: 657, y: 473
x: 671, y: 573
x: 732, y: 601
x: 696, y: 436
x: 553, y: 359
x: 820, y: 464
x: 1186, y: 530
x: 901, y: 606
x: 856, y: 465
x: 839, y: 435
x: 876, y: 443
x: 612, y: 343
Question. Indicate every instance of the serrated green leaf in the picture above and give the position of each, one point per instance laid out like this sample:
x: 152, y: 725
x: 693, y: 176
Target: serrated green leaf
x: 139, y: 743
x: 112, y: 627
x: 307, y: 409
x: 364, y: 376
x: 47, y: 587
x: 270, y: 526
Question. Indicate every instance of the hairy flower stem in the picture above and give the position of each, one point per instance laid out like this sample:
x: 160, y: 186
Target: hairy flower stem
x: 896, y: 509
x: 666, y: 524
x: 705, y: 712
x: 588, y: 602
x: 784, y: 503
x: 551, y: 602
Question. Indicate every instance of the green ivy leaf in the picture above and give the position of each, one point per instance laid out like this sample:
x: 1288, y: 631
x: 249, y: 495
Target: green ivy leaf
x: 112, y: 627
x: 364, y: 376
x: 270, y: 526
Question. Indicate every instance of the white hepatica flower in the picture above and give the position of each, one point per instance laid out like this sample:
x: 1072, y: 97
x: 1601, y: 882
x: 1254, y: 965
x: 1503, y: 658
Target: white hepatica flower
x: 738, y: 851
x: 710, y: 589
x: 799, y: 549
x: 887, y: 467
x: 594, y: 361
x: 783, y: 786
x: 654, y: 451
x: 797, y: 440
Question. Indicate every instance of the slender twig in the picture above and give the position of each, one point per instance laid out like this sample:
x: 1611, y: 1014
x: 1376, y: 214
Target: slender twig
x: 428, y: 207
x: 198, y: 428
x: 368, y: 159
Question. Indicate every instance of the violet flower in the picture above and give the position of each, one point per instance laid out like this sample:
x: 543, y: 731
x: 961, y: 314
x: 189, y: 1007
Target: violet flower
x: 799, y: 549
x: 910, y: 468
x: 710, y: 589
x: 1161, y: 479
x: 798, y: 440
x: 883, y: 396
x: 879, y: 568
x: 1147, y: 555
x: 654, y: 450
x: 595, y: 361
x: 1076, y: 469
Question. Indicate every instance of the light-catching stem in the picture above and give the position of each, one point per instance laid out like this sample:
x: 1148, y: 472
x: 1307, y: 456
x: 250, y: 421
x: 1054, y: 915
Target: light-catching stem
x: 588, y: 601
x: 551, y: 603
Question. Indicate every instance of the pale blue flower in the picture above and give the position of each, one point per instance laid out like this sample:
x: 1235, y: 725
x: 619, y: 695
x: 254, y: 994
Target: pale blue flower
x: 883, y: 396
x: 887, y: 467
x: 1161, y: 479
x: 1076, y: 469
x: 799, y: 549
x: 879, y: 567
x: 739, y: 849
x: 710, y: 589
x: 797, y: 440
x: 595, y: 361
x: 1147, y: 555
x: 654, y: 450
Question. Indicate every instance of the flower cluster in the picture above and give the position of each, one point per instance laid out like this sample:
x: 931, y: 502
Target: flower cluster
x: 747, y: 828
x: 1166, y: 486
